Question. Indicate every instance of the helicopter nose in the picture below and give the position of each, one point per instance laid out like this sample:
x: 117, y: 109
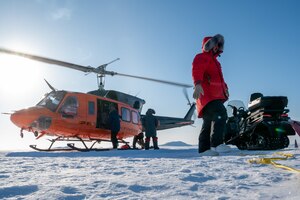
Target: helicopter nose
x: 31, y: 118
x: 22, y: 118
x: 19, y: 119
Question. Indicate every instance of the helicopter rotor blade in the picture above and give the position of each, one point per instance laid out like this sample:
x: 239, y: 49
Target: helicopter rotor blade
x: 189, y: 102
x: 87, y: 69
x: 48, y: 60
x: 186, y: 96
x: 152, y: 79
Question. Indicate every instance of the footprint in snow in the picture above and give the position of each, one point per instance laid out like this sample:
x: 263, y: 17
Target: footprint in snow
x: 69, y: 190
x: 9, y: 192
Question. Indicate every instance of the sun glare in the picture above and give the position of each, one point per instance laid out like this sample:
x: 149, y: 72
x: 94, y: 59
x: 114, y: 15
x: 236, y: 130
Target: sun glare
x: 18, y: 74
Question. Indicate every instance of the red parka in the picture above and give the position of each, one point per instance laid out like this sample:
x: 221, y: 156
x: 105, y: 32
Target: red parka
x: 207, y: 71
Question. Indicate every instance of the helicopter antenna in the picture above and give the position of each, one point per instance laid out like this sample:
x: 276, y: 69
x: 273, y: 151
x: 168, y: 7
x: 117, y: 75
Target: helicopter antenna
x: 50, y: 86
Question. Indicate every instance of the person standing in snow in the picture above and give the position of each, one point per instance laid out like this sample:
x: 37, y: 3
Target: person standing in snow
x: 114, y: 125
x: 150, y: 123
x: 210, y: 92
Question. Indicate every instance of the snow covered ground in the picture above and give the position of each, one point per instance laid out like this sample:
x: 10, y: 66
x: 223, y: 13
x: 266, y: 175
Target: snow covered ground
x: 168, y: 173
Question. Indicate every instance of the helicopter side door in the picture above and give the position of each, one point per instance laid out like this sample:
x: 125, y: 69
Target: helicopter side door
x: 70, y: 113
x: 69, y: 108
x: 130, y: 120
x: 103, y: 113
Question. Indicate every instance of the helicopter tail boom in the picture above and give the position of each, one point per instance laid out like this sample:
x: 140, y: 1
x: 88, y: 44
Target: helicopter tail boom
x: 173, y: 122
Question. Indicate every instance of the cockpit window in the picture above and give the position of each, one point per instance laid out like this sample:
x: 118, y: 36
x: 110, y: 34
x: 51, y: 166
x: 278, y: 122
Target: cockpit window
x: 69, y: 107
x: 52, y: 100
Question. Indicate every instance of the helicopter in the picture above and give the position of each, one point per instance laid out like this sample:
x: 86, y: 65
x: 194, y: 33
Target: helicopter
x: 82, y: 117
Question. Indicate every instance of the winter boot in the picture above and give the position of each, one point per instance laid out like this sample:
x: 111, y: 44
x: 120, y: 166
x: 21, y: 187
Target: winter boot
x: 147, y: 143
x: 155, y: 142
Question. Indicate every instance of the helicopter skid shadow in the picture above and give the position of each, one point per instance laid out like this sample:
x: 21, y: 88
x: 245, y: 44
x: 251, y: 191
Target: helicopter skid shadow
x: 162, y: 153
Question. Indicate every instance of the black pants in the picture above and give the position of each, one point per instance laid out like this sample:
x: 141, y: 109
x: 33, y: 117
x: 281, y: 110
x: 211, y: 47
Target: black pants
x: 114, y: 139
x: 155, y: 142
x: 213, y: 127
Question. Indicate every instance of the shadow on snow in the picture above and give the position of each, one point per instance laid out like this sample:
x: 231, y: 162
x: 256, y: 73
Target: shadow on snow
x: 178, y: 153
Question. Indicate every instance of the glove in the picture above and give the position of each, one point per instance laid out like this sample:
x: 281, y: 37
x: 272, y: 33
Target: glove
x: 197, y: 91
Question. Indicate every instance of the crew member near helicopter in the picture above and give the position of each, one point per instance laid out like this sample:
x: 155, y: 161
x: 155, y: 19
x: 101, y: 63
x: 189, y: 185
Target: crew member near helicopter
x: 114, y: 125
x: 150, y: 123
x: 210, y: 92
x: 138, y: 139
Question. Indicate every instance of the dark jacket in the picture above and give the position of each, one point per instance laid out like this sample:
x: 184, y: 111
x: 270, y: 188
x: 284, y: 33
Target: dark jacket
x: 114, y: 121
x: 150, y: 123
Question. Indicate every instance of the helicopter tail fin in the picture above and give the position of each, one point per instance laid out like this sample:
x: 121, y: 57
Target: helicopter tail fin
x: 190, y: 112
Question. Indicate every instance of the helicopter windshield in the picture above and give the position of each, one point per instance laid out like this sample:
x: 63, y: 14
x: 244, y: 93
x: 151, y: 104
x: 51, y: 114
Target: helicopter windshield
x: 239, y: 105
x: 52, y: 100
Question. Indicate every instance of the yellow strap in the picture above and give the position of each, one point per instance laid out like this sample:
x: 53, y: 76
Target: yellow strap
x: 264, y: 161
x: 271, y: 161
x: 288, y: 155
x: 284, y: 167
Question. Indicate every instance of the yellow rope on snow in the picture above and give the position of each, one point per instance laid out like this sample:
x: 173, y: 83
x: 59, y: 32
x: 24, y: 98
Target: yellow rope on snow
x: 266, y: 161
x: 287, y: 155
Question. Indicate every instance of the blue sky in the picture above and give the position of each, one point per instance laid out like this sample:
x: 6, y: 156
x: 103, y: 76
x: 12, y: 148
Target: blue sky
x: 158, y: 39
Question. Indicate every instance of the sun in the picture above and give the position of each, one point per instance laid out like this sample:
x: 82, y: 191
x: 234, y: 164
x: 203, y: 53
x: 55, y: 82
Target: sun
x: 18, y: 74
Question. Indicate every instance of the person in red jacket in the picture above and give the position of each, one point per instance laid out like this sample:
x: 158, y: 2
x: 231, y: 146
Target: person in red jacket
x: 210, y: 92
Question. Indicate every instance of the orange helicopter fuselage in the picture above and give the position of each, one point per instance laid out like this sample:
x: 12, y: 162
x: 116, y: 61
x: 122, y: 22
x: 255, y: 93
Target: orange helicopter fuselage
x: 74, y: 114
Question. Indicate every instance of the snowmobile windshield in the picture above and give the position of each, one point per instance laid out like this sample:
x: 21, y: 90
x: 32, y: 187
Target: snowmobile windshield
x: 52, y: 100
x: 234, y: 104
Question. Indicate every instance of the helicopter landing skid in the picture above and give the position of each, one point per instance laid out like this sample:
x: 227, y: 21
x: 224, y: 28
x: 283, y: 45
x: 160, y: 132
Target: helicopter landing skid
x: 85, y: 149
x: 59, y: 138
x: 49, y: 149
x: 72, y: 147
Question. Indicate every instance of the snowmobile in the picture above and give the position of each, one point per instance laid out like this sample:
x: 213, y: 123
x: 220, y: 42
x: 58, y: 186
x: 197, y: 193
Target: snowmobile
x: 263, y: 126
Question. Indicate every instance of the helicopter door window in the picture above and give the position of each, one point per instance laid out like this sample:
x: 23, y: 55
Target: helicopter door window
x: 91, y: 107
x: 137, y: 105
x: 135, y: 117
x: 69, y: 107
x: 126, y: 114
